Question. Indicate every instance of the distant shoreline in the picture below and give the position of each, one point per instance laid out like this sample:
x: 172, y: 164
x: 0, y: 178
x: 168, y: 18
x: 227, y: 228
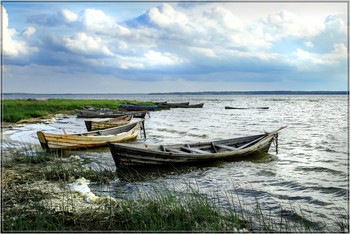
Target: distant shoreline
x: 256, y: 93
x: 202, y: 93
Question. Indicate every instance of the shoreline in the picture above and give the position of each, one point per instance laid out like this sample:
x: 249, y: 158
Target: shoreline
x: 248, y: 92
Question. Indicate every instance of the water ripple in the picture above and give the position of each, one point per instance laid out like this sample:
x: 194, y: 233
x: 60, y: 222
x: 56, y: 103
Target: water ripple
x: 320, y: 169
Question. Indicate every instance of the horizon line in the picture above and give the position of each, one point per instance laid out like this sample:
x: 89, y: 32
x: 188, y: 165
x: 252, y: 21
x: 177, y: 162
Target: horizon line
x: 192, y: 92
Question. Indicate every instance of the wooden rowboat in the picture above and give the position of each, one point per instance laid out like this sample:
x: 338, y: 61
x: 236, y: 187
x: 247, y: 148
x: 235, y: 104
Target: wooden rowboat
x: 200, y: 105
x: 172, y: 104
x: 137, y: 107
x: 92, y: 125
x: 140, y: 154
x: 109, y: 114
x: 246, y: 108
x: 50, y: 141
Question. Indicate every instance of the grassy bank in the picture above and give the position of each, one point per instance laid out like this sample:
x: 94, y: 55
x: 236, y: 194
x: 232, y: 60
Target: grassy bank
x: 19, y: 109
x: 35, y: 197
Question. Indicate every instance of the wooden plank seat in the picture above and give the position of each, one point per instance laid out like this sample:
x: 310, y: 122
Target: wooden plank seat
x: 238, y: 148
x: 163, y: 148
x: 195, y: 150
x: 225, y: 147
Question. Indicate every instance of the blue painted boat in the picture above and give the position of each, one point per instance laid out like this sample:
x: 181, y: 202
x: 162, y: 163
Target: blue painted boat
x: 137, y: 107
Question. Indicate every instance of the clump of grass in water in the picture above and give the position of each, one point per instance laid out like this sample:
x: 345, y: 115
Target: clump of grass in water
x: 167, y: 212
x: 73, y: 168
x: 51, y: 166
x: 26, y: 153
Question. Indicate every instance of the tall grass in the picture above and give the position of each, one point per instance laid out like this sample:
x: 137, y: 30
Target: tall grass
x: 30, y: 205
x: 18, y: 109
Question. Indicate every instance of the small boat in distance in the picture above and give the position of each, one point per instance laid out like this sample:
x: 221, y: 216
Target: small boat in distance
x: 172, y: 104
x: 246, y: 108
x: 59, y: 142
x: 125, y: 155
x: 137, y: 107
x: 109, y: 114
x: 167, y: 105
x: 200, y: 105
x: 92, y: 125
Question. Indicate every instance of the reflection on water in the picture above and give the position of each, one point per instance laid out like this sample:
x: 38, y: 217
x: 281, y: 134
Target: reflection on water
x: 310, y: 172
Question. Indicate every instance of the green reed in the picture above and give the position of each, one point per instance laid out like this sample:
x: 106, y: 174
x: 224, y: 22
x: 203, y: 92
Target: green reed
x: 19, y: 109
x: 30, y: 205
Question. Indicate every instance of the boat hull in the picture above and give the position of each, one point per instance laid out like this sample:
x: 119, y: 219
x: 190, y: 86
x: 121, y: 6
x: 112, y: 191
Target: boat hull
x: 140, y: 155
x: 137, y: 108
x: 99, y: 125
x: 96, y: 114
x: 52, y: 142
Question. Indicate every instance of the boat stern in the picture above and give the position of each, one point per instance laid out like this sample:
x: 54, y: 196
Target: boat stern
x: 42, y: 140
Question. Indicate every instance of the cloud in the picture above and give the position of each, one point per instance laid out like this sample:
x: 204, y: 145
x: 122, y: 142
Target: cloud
x: 68, y: 16
x: 165, y: 15
x: 12, y: 46
x: 191, y: 41
x: 158, y: 58
x: 59, y: 18
x: 29, y: 31
x: 285, y: 24
x: 309, y: 44
x: 81, y: 43
x: 306, y: 60
x: 96, y: 20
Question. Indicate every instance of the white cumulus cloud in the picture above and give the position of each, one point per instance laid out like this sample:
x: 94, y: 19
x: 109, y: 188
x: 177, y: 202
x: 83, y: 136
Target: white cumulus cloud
x: 165, y: 15
x: 82, y: 43
x: 158, y: 58
x: 68, y: 16
x: 29, y: 31
x: 96, y: 20
x: 11, y: 46
x: 284, y: 24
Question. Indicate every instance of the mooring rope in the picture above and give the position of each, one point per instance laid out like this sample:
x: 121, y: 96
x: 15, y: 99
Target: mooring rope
x: 275, y: 140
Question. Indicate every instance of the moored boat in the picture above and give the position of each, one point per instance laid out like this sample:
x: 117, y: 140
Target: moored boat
x: 137, y: 108
x: 246, y: 108
x: 199, y: 105
x: 141, y: 155
x: 92, y: 125
x: 172, y: 104
x: 109, y: 114
x: 51, y: 141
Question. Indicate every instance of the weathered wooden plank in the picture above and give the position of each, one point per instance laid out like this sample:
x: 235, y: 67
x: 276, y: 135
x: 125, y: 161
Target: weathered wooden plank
x: 214, y: 148
x: 249, y: 143
x: 195, y: 150
x: 175, y: 151
x: 163, y: 148
x: 226, y: 147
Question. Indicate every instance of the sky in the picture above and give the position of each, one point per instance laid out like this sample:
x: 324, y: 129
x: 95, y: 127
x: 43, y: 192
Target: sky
x: 143, y: 47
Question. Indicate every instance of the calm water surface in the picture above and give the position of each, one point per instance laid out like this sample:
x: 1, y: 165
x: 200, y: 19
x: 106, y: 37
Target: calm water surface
x: 308, y: 176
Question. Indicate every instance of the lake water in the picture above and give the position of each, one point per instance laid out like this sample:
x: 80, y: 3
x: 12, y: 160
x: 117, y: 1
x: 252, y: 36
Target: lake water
x: 308, y: 176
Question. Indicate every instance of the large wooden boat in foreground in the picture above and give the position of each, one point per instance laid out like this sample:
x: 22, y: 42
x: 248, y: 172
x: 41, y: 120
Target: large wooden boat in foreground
x: 50, y: 141
x: 141, y: 154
